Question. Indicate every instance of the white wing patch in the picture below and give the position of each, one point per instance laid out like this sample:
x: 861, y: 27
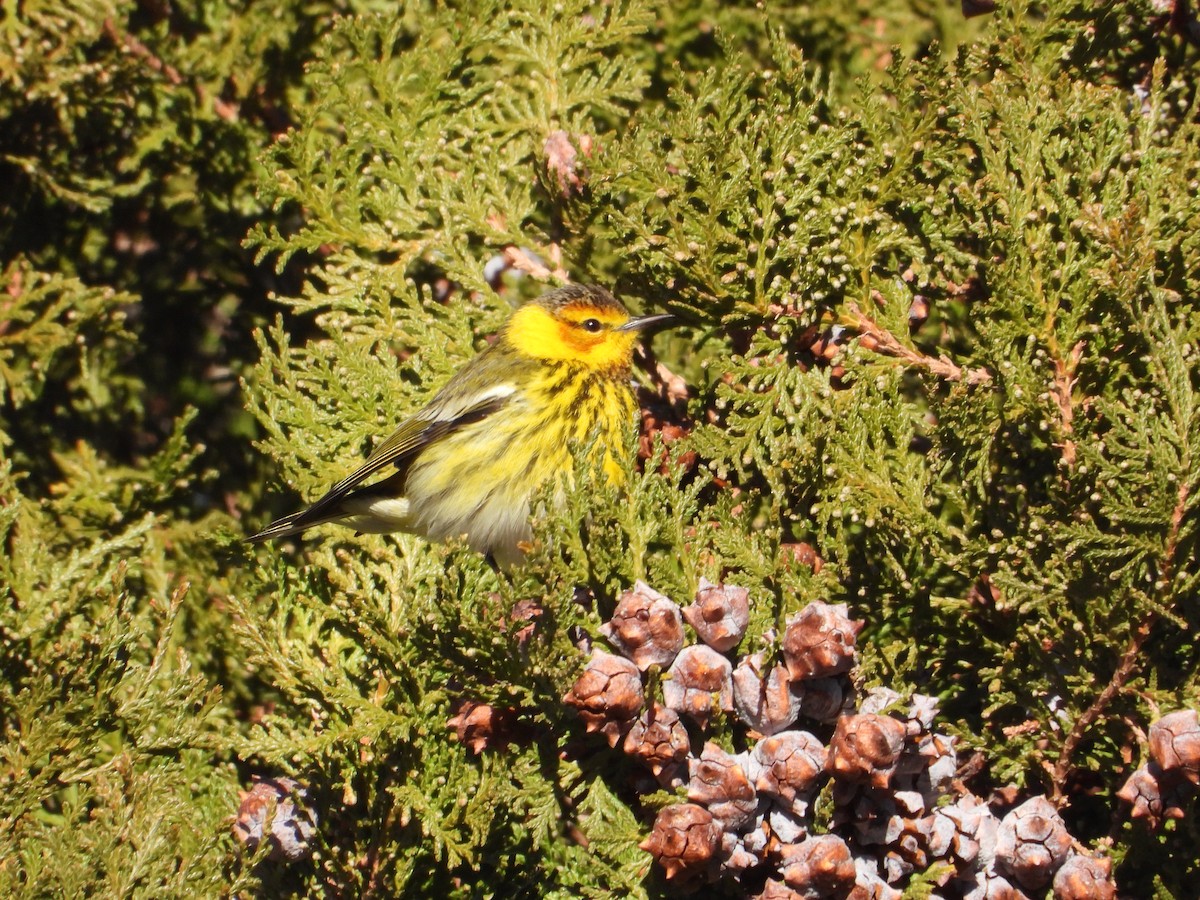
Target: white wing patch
x: 495, y: 392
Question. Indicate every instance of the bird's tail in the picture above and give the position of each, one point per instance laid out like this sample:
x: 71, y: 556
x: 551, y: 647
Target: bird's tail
x: 295, y: 523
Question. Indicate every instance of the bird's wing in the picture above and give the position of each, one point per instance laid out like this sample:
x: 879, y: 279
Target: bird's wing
x: 433, y: 423
x: 404, y: 443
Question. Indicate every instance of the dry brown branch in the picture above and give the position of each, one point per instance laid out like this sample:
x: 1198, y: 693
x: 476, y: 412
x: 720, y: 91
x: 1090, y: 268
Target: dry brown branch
x: 523, y: 261
x: 1064, y: 385
x: 879, y: 339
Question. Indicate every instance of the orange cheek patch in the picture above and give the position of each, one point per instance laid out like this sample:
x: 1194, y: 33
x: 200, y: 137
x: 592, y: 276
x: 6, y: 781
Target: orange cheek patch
x: 580, y: 342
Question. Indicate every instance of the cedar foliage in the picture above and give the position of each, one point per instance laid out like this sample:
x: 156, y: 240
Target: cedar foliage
x: 304, y: 197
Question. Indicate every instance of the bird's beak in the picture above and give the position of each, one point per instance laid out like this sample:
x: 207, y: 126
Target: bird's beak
x: 641, y: 323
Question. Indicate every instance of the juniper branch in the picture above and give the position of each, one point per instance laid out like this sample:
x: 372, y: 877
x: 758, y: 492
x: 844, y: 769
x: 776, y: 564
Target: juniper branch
x: 139, y: 50
x: 877, y: 338
x: 1064, y: 768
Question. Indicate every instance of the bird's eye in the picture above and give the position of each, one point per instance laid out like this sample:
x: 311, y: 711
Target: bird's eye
x: 592, y: 325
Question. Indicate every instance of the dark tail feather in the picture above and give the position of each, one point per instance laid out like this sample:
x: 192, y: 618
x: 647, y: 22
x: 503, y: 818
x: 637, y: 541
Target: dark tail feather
x: 328, y: 509
x: 295, y: 523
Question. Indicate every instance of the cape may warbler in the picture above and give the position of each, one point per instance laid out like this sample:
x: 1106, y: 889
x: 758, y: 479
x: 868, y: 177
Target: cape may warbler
x: 469, y: 462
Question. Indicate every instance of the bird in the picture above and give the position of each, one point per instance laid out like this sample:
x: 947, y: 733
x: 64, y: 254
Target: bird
x: 470, y: 461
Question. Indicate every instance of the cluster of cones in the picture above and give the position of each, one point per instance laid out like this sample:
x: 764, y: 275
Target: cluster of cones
x: 890, y: 805
x: 792, y: 783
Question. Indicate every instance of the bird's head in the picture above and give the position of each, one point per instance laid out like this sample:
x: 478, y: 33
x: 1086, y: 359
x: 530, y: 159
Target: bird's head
x: 578, y: 323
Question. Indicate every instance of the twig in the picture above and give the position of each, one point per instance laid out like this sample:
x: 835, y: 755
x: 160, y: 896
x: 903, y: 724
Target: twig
x: 1064, y: 386
x: 524, y: 261
x: 134, y: 47
x: 1064, y: 767
x: 884, y: 342
x: 1182, y: 20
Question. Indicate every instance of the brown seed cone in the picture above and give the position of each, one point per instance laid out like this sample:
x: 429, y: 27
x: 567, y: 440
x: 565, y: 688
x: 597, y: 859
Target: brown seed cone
x: 607, y: 695
x: 918, y: 311
x: 908, y: 835
x: 910, y: 803
x: 646, y: 627
x: 879, y: 699
x: 871, y: 812
x: 657, y: 738
x: 1156, y: 795
x: 292, y: 829
x: 736, y: 857
x: 821, y: 699
x: 777, y: 890
x: 866, y: 748
x: 764, y: 699
x: 718, y: 781
x: 787, y: 766
x: 922, y: 710
x: 699, y: 677
x: 820, y: 866
x: 819, y: 641
x: 907, y: 840
x: 869, y: 885
x: 965, y: 830
x: 990, y: 886
x: 1032, y: 843
x: 1142, y: 791
x: 896, y: 866
x: 758, y: 840
x: 785, y: 826
x: 483, y: 727
x: 562, y: 162
x: 939, y: 762
x: 684, y: 841
x: 719, y: 615
x: 802, y: 553
x: 528, y: 615
x: 665, y: 421
x: 1175, y: 743
x: 1085, y: 878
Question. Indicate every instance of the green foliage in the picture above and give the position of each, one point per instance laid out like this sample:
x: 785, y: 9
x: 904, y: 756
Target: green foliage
x: 103, y: 725
x: 299, y: 200
x: 56, y: 327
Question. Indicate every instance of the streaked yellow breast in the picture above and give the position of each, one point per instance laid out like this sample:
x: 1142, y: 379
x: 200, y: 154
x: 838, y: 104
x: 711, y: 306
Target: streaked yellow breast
x: 478, y: 481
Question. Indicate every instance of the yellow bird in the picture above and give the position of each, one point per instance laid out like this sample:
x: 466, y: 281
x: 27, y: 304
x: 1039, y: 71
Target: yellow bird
x: 468, y: 463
